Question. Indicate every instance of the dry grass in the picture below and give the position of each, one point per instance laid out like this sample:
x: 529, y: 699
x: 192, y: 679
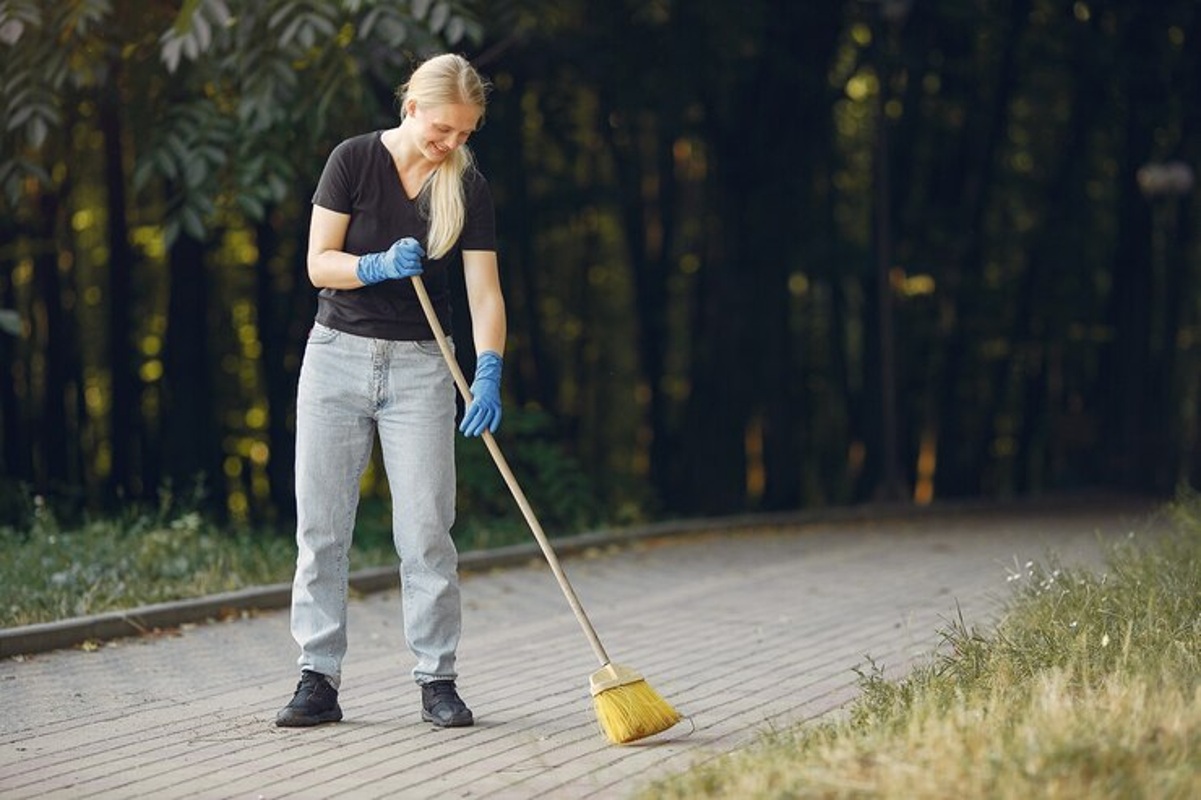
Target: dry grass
x: 1089, y: 687
x: 1049, y: 739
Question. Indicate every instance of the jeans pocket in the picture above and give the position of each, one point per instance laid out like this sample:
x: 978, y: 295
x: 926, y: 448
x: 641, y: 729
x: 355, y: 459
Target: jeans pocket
x: 320, y: 334
x: 430, y: 346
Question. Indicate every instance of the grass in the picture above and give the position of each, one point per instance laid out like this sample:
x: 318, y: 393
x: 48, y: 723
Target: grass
x: 1089, y: 686
x: 52, y: 570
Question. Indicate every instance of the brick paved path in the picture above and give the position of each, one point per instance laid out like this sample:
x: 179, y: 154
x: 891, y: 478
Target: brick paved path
x: 741, y: 631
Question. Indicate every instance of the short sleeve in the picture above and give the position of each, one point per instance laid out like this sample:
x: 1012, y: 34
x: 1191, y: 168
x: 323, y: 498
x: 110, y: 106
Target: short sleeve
x: 479, y: 229
x: 335, y: 189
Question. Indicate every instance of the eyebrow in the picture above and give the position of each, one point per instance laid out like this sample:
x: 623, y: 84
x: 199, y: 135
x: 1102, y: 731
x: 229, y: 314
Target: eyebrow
x: 451, y: 128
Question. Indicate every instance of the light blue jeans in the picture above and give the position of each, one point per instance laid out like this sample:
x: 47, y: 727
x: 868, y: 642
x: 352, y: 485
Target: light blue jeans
x: 350, y: 388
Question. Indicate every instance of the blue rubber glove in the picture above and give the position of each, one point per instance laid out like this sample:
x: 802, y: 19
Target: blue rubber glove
x: 484, y: 412
x: 401, y: 260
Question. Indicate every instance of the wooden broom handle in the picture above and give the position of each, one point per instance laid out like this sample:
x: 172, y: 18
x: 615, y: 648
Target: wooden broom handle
x: 510, y: 480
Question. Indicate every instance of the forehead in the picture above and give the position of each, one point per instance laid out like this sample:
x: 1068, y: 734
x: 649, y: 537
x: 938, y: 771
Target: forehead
x: 460, y: 116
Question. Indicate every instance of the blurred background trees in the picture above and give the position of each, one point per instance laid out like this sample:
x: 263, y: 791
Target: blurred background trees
x: 758, y: 255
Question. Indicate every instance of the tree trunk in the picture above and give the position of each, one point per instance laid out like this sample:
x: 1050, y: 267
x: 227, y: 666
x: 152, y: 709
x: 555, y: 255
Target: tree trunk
x: 963, y: 442
x: 15, y: 457
x: 55, y: 431
x: 279, y: 383
x: 1184, y: 262
x: 714, y: 477
x: 192, y: 446
x: 1134, y: 362
x: 649, y: 262
x: 796, y: 95
x: 534, y: 377
x: 1038, y: 322
x: 125, y: 433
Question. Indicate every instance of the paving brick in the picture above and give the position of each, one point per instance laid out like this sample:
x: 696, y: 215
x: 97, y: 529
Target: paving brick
x: 742, y: 631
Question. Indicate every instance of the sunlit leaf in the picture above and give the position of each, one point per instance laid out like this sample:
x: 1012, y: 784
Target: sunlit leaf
x: 172, y: 52
x: 170, y: 232
x: 438, y: 16
x: 11, y: 30
x: 284, y: 12
x: 278, y: 188
x: 36, y: 131
x: 393, y: 32
x: 251, y: 206
x: 81, y: 17
x: 10, y: 322
x: 202, y: 32
x: 195, y: 172
x: 142, y: 173
x: 367, y: 25
x: 192, y: 223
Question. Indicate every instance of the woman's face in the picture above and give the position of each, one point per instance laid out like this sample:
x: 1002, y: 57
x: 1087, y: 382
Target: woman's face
x: 440, y: 130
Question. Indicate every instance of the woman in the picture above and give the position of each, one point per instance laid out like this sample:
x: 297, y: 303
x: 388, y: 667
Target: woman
x: 389, y: 205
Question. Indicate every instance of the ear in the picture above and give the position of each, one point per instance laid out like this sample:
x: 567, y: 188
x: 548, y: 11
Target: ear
x: 410, y: 107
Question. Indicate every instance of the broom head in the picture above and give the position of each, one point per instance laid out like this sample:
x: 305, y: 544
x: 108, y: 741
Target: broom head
x: 627, y: 708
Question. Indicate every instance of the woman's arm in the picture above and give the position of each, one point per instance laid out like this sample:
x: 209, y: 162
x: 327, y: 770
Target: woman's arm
x: 329, y: 266
x: 482, y: 275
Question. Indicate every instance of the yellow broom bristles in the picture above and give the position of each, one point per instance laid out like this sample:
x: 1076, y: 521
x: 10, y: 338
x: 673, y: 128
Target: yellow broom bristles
x: 627, y: 708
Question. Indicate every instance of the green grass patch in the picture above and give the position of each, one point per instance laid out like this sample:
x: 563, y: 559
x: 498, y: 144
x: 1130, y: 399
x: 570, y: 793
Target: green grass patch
x: 52, y: 570
x: 50, y: 573
x: 1089, y: 686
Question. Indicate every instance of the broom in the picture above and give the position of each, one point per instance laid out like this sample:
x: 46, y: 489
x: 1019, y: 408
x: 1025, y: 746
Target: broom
x: 626, y: 706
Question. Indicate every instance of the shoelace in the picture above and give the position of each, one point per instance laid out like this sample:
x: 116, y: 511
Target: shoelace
x: 444, y: 690
x: 309, y: 684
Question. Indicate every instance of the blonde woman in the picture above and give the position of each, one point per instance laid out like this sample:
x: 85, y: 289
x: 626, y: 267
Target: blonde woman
x: 389, y: 205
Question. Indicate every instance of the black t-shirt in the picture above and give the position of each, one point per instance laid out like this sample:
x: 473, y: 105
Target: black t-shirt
x: 360, y: 179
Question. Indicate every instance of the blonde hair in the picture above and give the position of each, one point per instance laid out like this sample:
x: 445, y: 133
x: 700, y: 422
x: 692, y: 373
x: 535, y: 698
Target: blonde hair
x: 444, y: 80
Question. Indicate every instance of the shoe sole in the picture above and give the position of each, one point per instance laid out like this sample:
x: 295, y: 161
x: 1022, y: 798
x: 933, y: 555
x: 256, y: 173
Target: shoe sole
x: 454, y: 723
x: 308, y: 722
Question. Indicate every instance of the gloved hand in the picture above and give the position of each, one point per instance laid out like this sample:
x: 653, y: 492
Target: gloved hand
x: 401, y: 260
x: 484, y: 411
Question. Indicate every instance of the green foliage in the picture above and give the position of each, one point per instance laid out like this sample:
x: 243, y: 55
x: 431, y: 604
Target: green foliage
x: 16, y: 505
x: 51, y: 572
x: 38, y: 42
x: 277, y: 75
x: 241, y: 84
x: 555, y: 484
x: 704, y: 325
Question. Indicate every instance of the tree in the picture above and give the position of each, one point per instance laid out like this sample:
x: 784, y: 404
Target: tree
x: 214, y: 108
x: 44, y: 73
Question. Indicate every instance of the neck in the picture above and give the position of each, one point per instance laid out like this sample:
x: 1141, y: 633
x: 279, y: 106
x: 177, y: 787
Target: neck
x: 406, y: 155
x: 412, y: 167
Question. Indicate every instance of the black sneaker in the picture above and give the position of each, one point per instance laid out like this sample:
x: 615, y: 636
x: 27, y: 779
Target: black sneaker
x: 315, y: 702
x: 441, y: 705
